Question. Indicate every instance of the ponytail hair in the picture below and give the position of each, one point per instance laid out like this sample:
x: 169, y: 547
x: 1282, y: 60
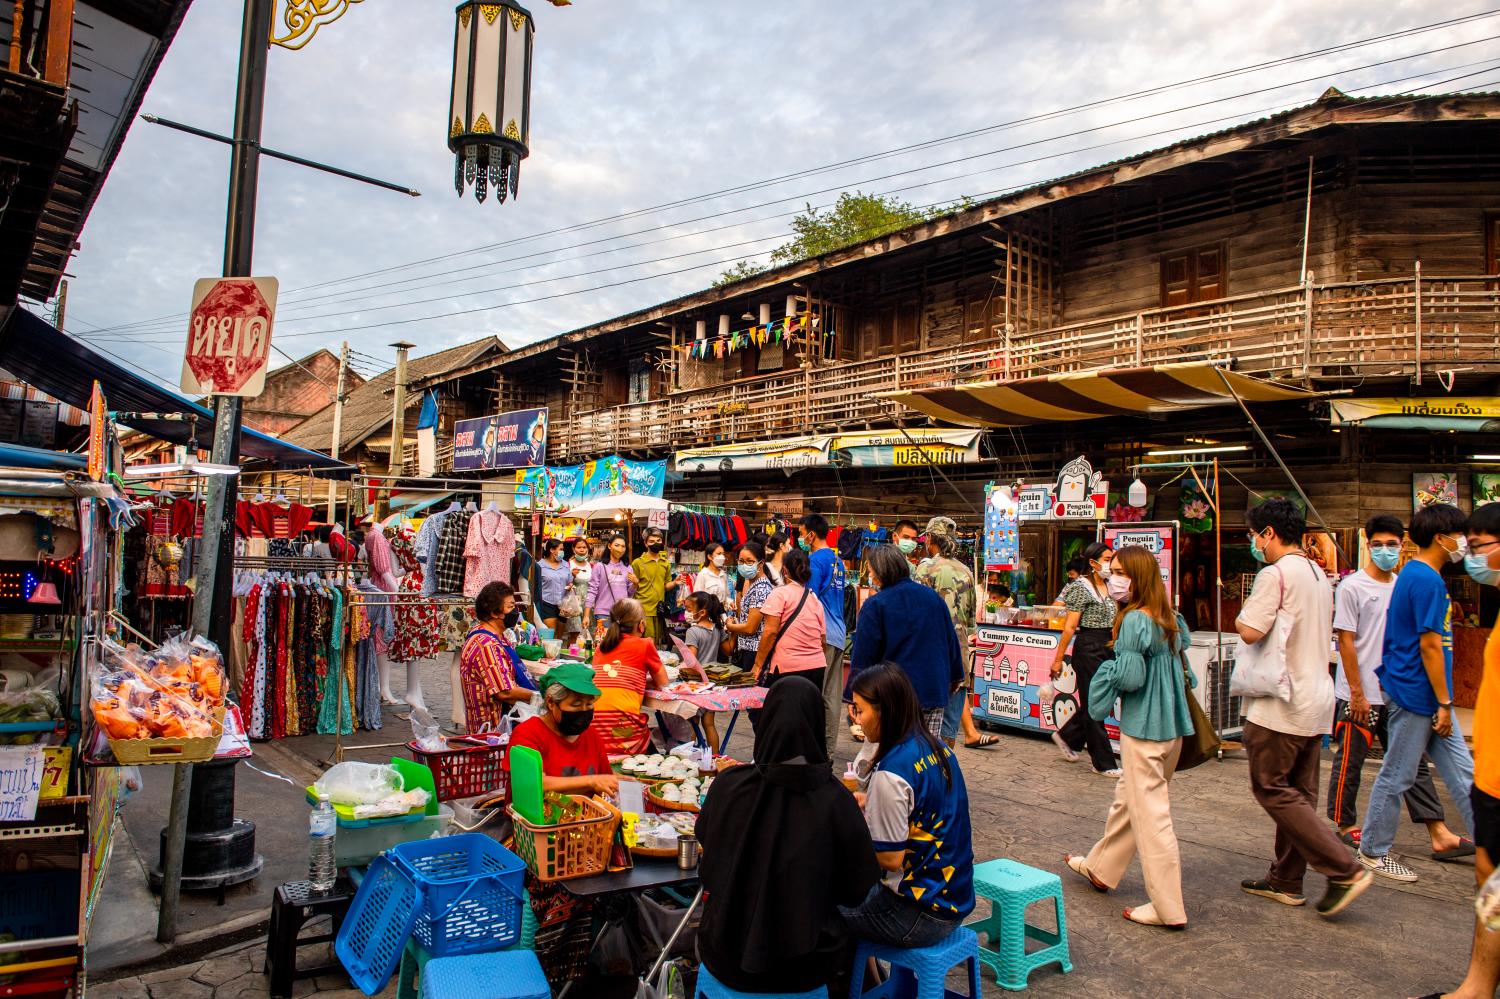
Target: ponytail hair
x: 623, y: 617
x: 709, y: 604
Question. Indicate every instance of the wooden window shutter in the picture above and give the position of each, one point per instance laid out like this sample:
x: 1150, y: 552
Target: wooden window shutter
x: 1492, y: 243
x: 1209, y: 279
x: 1177, y: 279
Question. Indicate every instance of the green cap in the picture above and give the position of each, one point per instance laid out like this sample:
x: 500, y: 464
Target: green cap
x: 574, y: 676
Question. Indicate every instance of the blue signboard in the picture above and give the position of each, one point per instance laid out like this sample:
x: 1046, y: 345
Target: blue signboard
x: 508, y: 440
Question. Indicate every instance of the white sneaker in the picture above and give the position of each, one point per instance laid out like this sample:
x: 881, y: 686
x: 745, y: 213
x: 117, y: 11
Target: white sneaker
x: 1114, y: 772
x: 1062, y: 747
x: 1389, y: 867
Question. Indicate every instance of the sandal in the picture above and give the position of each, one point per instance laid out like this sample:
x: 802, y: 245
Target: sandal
x: 1075, y: 864
x: 987, y: 740
x: 1351, y: 838
x: 1465, y: 848
x: 1154, y: 920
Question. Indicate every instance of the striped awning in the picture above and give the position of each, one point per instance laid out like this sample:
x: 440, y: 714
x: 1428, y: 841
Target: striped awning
x: 1091, y: 395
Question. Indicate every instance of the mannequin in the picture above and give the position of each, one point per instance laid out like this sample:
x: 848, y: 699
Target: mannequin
x: 455, y: 685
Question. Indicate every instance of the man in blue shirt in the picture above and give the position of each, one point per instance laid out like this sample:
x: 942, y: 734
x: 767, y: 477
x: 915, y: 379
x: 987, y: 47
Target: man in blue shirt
x: 827, y: 584
x: 1416, y: 673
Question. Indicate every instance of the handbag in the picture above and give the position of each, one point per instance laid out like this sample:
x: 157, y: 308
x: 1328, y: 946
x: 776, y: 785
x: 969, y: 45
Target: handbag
x: 1260, y: 667
x: 776, y: 640
x: 1204, y: 742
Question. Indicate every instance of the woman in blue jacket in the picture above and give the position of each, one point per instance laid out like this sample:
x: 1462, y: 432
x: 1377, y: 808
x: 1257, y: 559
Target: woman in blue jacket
x: 1148, y: 675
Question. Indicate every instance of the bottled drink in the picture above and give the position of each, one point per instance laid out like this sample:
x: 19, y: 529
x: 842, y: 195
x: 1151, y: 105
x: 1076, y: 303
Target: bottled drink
x: 322, y: 868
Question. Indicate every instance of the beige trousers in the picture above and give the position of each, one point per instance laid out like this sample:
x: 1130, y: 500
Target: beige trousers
x: 1140, y: 821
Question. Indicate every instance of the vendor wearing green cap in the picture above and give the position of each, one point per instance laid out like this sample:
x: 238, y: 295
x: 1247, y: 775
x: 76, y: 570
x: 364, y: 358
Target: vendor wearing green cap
x: 573, y: 757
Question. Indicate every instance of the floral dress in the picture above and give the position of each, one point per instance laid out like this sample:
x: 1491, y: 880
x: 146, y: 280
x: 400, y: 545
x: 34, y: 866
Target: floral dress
x: 418, y: 625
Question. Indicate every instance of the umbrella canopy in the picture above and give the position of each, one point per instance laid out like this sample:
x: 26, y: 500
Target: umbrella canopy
x: 608, y: 506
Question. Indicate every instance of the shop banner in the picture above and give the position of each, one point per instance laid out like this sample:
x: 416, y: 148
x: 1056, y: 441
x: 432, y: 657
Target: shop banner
x: 555, y: 487
x: 507, y: 440
x: 1034, y: 503
x: 1159, y: 540
x: 793, y: 452
x: 912, y: 449
x: 1002, y: 537
x: 1344, y: 412
x: 1013, y: 682
x: 613, y: 475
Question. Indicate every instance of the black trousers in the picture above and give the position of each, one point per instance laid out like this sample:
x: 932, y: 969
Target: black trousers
x: 1090, y: 650
x: 1351, y: 744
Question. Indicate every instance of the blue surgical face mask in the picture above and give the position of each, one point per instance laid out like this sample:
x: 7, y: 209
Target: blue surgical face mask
x: 1385, y: 559
x: 748, y: 571
x: 907, y: 545
x: 1257, y: 553
x: 1478, y: 568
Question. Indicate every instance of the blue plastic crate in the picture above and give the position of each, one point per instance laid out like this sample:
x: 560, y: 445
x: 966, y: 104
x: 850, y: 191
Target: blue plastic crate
x: 472, y: 892
x: 379, y: 921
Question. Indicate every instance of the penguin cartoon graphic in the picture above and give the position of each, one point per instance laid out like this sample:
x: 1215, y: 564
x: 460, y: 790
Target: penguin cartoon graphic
x: 1076, y: 482
x: 1064, y: 704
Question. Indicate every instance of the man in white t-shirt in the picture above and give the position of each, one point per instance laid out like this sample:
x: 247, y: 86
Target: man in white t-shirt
x: 1359, y: 626
x: 1284, y: 739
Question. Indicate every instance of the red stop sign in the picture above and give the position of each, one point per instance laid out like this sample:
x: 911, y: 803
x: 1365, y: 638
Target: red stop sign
x: 229, y: 336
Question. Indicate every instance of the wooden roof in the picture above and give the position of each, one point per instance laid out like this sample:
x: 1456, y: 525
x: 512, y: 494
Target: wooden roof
x: 368, y: 407
x: 1331, y: 109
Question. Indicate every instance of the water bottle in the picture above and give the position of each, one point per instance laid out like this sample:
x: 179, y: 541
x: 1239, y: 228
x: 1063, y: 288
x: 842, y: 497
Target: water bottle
x: 322, y: 868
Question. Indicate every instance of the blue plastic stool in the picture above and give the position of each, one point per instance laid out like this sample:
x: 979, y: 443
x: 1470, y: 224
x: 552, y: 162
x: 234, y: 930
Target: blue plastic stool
x: 506, y: 974
x: 416, y: 958
x: 710, y: 987
x: 1011, y: 889
x: 930, y: 965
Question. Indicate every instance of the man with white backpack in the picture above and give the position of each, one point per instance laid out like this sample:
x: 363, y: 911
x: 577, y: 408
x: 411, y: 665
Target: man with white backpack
x: 1288, y: 620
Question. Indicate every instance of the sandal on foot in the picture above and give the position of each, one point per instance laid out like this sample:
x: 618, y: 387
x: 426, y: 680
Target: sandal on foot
x: 988, y: 741
x: 1151, y: 919
x: 1076, y: 865
x: 1465, y: 848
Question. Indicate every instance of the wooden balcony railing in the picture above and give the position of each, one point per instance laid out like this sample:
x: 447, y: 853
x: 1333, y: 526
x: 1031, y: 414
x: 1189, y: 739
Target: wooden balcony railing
x: 36, y: 39
x: 1304, y: 333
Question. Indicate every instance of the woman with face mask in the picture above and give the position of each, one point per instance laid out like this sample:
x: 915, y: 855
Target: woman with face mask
x: 625, y: 665
x: 1145, y: 672
x: 486, y: 670
x: 555, y: 577
x: 756, y: 573
x: 714, y: 578
x: 580, y: 569
x: 610, y: 581
x: 574, y: 760
x: 1089, y: 625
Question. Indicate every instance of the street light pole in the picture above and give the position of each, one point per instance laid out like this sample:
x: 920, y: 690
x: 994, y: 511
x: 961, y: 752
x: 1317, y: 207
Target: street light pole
x: 211, y: 597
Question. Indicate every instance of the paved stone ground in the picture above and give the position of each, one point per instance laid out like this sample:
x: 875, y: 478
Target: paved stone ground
x: 1029, y: 805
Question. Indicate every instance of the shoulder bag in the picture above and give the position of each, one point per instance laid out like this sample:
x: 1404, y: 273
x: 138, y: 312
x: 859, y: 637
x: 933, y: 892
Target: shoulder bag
x: 1260, y: 667
x: 1204, y: 743
x: 767, y: 670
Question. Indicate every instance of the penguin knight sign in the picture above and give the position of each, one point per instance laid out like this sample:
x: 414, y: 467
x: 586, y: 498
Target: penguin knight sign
x: 1080, y: 492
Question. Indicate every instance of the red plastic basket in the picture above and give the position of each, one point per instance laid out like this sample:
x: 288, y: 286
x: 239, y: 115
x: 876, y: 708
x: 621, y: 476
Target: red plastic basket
x: 464, y: 771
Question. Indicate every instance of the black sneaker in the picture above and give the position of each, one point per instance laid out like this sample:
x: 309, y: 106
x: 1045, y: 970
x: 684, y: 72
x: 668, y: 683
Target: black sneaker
x: 1263, y: 888
x: 1341, y: 893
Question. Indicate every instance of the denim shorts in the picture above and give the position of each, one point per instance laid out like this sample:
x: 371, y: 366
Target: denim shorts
x: 953, y: 714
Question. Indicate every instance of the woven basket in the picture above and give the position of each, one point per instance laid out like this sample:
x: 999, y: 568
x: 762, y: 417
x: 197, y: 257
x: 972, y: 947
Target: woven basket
x: 567, y: 850
x: 663, y: 805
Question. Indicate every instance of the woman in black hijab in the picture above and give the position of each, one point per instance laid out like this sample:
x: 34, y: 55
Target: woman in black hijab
x: 784, y: 844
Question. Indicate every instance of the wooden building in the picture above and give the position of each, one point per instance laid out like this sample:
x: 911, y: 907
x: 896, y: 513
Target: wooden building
x: 1346, y: 249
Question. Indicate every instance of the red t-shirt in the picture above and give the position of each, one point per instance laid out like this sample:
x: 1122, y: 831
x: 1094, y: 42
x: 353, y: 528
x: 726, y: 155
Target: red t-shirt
x: 583, y: 757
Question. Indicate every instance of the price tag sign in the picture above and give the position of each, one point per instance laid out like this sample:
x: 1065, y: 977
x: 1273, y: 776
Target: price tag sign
x: 20, y: 782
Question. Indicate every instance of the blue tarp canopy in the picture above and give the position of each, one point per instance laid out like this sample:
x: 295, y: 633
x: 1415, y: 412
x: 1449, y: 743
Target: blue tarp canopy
x: 20, y: 456
x: 66, y: 368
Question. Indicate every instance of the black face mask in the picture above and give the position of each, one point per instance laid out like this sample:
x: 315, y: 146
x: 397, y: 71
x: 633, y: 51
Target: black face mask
x: 512, y: 618
x: 655, y: 546
x: 575, y: 722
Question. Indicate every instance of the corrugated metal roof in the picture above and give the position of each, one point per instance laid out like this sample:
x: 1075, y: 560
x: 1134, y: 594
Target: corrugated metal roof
x: 368, y: 407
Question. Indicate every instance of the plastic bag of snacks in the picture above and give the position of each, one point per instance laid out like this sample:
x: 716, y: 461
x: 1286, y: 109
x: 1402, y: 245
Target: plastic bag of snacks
x: 173, y: 692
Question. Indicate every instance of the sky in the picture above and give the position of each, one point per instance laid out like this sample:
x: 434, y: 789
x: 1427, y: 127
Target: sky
x: 637, y: 104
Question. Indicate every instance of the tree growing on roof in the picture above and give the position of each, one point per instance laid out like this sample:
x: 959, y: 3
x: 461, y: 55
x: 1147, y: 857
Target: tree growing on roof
x: 854, y: 218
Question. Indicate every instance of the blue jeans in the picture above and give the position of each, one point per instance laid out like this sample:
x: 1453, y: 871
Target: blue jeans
x: 1408, y: 736
x: 887, y: 918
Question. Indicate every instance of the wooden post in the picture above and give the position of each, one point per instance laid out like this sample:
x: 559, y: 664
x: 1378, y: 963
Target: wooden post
x: 1140, y: 339
x: 1009, y: 329
x: 398, y: 413
x: 1417, y: 303
x: 338, y: 423
x: 1307, y: 326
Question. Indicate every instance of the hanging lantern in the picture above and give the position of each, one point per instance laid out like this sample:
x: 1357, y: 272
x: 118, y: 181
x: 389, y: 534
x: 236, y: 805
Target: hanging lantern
x: 489, y: 115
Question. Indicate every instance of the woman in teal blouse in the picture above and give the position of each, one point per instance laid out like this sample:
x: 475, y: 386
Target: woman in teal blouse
x: 1147, y: 675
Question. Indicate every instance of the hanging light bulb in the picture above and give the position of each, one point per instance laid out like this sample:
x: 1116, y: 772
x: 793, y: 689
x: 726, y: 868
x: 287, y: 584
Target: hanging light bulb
x: 1136, y: 495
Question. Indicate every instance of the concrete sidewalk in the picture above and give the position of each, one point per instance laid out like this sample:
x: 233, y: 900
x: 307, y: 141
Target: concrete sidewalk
x: 1029, y: 805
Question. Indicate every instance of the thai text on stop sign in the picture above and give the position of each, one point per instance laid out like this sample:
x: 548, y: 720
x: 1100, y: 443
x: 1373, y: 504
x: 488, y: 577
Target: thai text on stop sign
x: 231, y: 340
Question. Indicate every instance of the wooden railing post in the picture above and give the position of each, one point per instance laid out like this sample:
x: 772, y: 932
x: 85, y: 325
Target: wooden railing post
x: 1417, y: 304
x: 1140, y: 339
x: 1010, y: 328
x: 1307, y: 325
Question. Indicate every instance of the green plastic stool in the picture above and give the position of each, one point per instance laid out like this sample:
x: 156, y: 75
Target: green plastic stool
x: 415, y: 957
x: 1011, y: 888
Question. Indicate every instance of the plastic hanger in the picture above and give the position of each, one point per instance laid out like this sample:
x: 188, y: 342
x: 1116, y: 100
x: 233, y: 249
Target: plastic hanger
x: 492, y: 507
x: 471, y: 507
x: 260, y: 497
x: 452, y: 507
